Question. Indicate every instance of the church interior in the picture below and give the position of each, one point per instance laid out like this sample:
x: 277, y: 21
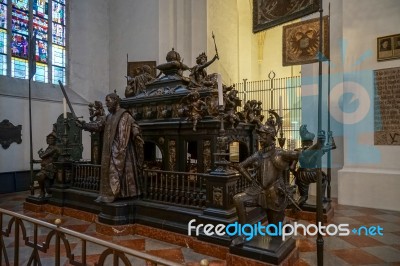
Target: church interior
x: 144, y: 125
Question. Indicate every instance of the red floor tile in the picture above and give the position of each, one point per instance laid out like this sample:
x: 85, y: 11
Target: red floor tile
x: 369, y: 211
x: 78, y: 227
x: 301, y: 262
x: 137, y: 244
x: 174, y: 254
x: 396, y: 246
x: 305, y: 245
x: 367, y: 219
x: 362, y: 241
x: 211, y: 263
x: 50, y: 252
x: 100, y: 236
x: 90, y: 260
x: 356, y: 256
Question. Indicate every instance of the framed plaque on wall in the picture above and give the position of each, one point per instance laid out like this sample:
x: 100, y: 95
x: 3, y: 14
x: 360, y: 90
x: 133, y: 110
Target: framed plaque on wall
x: 271, y: 13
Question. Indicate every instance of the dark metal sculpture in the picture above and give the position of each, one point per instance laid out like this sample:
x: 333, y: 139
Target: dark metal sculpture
x: 138, y: 83
x: 231, y: 102
x: 48, y: 169
x: 193, y: 107
x: 306, y: 173
x: 9, y: 134
x: 252, y: 112
x: 122, y: 156
x: 69, y: 138
x: 268, y: 189
x: 172, y: 155
x: 199, y: 76
x: 174, y: 65
x: 97, y: 114
x: 207, y: 155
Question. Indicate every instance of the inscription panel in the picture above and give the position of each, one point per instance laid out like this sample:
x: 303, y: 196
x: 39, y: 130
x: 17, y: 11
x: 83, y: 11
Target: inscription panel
x: 387, y: 106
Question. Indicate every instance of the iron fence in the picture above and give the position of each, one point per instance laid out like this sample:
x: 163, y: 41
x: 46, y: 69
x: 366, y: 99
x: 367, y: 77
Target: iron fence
x: 23, y: 232
x: 280, y: 94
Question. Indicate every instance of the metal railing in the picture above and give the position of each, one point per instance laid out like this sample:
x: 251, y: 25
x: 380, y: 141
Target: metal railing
x: 182, y: 188
x: 25, y: 231
x: 86, y: 176
x: 280, y: 94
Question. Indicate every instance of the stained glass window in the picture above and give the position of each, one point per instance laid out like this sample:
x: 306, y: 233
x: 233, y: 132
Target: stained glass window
x: 41, y: 73
x: 3, y: 64
x: 19, y: 45
x: 19, y: 68
x: 58, y: 40
x: 41, y: 8
x: 58, y: 13
x: 21, y: 4
x: 58, y: 55
x: 20, y: 22
x: 40, y: 26
x: 3, y: 41
x: 3, y: 15
x: 50, y: 36
x: 3, y: 37
x: 58, y: 34
x: 41, y: 51
x: 58, y: 74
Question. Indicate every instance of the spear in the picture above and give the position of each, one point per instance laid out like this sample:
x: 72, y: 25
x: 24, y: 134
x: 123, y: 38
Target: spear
x: 215, y: 45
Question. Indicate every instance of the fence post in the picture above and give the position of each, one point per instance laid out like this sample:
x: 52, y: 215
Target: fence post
x: 271, y: 76
x: 244, y: 90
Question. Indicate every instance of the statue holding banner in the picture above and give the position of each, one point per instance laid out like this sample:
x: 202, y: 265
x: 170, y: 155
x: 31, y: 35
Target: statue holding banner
x: 198, y: 75
x: 307, y: 171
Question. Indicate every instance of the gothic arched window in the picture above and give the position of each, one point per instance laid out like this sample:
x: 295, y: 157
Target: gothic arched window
x: 44, y: 19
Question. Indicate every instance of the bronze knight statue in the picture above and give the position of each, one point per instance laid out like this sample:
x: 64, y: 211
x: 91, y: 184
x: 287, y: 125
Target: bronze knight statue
x: 269, y: 191
x: 307, y: 171
x: 48, y: 169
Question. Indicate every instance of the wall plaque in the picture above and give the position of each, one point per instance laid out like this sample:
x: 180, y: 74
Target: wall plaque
x: 9, y: 134
x: 388, y: 47
x: 135, y: 68
x: 387, y: 106
x: 301, y: 42
x: 271, y: 13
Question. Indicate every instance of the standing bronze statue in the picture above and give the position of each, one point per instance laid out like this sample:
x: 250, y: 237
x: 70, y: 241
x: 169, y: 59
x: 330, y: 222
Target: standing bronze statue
x: 122, y: 155
x: 48, y: 169
x: 307, y: 171
x: 198, y: 75
x: 97, y: 113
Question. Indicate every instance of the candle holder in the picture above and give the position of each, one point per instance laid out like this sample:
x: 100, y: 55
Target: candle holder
x: 65, y: 156
x: 64, y: 163
x: 222, y: 144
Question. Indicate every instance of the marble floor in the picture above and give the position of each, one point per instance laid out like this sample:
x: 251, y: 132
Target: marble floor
x: 338, y: 250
